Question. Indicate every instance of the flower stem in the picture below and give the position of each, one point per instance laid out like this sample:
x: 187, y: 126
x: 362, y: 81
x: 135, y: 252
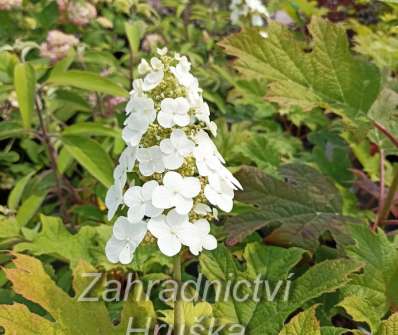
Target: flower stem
x: 178, y: 304
x: 389, y: 201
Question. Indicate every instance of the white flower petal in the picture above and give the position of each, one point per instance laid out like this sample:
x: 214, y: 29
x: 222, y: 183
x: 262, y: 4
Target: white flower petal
x: 211, y: 195
x: 169, y: 245
x: 131, y: 136
x: 156, y: 63
x: 136, y: 212
x: 173, y: 161
x: 191, y: 187
x: 147, y: 189
x: 210, y: 243
x: 143, y: 67
x: 203, y: 226
x: 161, y: 197
x: 146, y: 168
x: 133, y: 196
x: 168, y: 106
x: 113, y: 199
x: 182, y: 105
x: 152, y: 80
x: 128, y: 158
x: 202, y: 209
x: 113, y: 248
x: 225, y: 203
x: 152, y: 211
x: 166, y: 146
x: 120, y: 228
x: 183, y: 205
x: 181, y: 120
x: 158, y: 226
x: 126, y: 254
x: 173, y: 180
x: 174, y: 219
x: 165, y: 119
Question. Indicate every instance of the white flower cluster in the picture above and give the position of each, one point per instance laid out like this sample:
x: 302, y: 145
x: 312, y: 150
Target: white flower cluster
x: 252, y: 9
x: 183, y: 174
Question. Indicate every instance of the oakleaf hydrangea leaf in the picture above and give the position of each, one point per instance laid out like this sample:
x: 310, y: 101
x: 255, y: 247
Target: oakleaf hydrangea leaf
x: 302, y: 207
x: 69, y: 316
x: 390, y: 326
x: 54, y: 239
x: 304, y: 323
x: 277, y: 263
x: 324, y: 74
x: 372, y: 294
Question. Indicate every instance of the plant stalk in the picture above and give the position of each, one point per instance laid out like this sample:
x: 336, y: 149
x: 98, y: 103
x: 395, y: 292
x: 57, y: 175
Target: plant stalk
x: 381, y: 193
x: 385, y: 131
x: 389, y: 201
x: 53, y: 157
x: 178, y: 303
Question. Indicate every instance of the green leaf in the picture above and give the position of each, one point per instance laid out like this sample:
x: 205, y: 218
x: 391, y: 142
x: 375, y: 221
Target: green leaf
x: 63, y: 65
x: 275, y: 264
x: 30, y: 207
x: 302, y: 207
x: 268, y: 151
x: 390, y: 326
x: 134, y: 32
x: 9, y: 228
x: 347, y: 84
x: 68, y: 315
x: 25, y: 82
x: 194, y: 315
x: 87, y: 81
x: 332, y: 155
x: 10, y: 129
x: 304, y: 323
x: 372, y: 294
x: 90, y: 129
x: 91, y: 156
x: 17, y: 192
x: 53, y: 235
x: 385, y: 111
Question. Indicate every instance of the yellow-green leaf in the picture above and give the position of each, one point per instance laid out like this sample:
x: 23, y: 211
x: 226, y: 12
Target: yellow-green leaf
x: 304, y: 323
x: 92, y: 156
x: 25, y: 83
x: 70, y: 317
x: 88, y: 81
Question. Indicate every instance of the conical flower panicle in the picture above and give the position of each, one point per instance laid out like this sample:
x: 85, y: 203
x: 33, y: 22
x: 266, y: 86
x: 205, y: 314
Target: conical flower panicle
x: 183, y: 177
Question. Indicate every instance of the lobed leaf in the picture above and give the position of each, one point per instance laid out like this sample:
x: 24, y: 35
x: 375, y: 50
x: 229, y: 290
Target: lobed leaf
x: 325, y: 74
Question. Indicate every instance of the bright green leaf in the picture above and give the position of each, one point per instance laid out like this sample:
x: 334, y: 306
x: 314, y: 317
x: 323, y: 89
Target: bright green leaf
x: 53, y: 235
x: 327, y: 76
x: 9, y: 129
x: 17, y: 192
x: 29, y: 208
x: 88, y: 81
x: 90, y: 129
x: 91, y: 156
x: 25, y: 82
x: 372, y: 294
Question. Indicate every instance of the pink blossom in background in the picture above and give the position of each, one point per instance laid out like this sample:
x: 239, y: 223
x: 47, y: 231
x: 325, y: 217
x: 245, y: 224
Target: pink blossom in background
x: 10, y: 4
x: 57, y: 45
x: 81, y: 13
